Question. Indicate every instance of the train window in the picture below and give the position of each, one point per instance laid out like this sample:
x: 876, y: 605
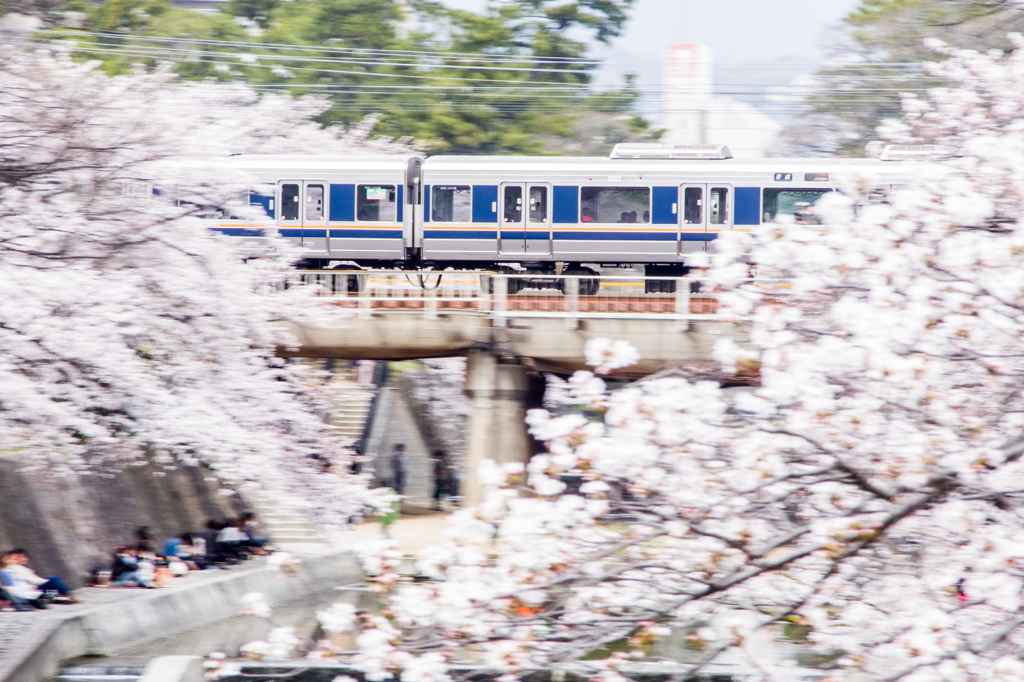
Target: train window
x: 375, y: 203
x: 798, y: 203
x: 538, y: 204
x: 513, y: 204
x: 615, y: 204
x: 314, y: 202
x: 693, y: 201
x: 451, y: 204
x: 290, y: 202
x: 718, y: 206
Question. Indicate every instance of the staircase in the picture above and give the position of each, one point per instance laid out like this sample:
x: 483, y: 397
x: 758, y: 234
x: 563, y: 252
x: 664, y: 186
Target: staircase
x: 290, y: 528
x: 351, y: 404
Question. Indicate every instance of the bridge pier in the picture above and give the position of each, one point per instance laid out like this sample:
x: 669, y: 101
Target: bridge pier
x: 501, y: 391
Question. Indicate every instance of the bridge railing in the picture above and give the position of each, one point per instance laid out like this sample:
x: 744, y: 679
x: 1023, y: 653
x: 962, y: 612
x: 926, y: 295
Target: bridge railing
x: 506, y: 296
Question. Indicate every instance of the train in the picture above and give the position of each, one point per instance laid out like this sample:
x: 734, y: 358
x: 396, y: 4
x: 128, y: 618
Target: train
x: 652, y: 205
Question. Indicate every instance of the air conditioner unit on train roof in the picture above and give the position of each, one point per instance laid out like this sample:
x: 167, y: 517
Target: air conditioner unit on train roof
x: 654, y: 150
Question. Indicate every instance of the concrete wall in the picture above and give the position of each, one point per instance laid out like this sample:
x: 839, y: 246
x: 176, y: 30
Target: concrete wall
x: 394, y: 423
x: 109, y: 628
x: 71, y: 523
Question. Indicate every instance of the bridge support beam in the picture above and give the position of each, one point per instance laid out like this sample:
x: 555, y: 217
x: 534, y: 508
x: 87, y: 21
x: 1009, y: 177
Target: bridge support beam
x: 501, y: 393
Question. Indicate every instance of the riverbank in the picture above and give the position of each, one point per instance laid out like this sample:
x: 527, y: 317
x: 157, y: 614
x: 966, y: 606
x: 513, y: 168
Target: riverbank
x: 108, y: 620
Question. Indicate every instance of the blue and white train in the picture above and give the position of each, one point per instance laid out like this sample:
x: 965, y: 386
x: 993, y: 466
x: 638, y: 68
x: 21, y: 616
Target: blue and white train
x: 646, y: 204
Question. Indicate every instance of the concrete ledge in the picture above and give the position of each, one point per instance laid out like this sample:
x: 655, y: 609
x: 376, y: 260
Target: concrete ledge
x: 157, y: 614
x: 173, y: 669
x: 403, y: 335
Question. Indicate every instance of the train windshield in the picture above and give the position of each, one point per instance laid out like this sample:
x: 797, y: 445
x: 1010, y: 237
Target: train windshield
x: 799, y: 203
x: 615, y: 204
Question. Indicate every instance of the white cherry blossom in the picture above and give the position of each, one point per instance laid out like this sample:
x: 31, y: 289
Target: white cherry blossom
x: 868, y: 491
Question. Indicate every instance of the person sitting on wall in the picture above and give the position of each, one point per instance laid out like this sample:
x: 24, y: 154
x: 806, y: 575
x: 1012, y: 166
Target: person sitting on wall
x: 144, y: 540
x: 209, y: 537
x: 185, y: 548
x: 9, y: 602
x: 249, y: 525
x: 128, y: 570
x: 170, y: 547
x: 19, y: 596
x: 231, y: 542
x: 28, y: 581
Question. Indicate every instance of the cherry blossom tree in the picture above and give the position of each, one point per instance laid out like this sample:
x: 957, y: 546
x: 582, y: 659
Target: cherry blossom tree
x: 126, y: 328
x: 867, y: 493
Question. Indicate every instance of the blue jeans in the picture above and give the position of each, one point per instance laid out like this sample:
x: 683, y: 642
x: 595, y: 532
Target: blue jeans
x: 56, y: 584
x: 131, y: 578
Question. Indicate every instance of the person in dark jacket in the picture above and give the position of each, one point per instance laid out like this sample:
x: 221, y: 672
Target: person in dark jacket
x: 127, y: 569
x: 398, y: 467
x: 442, y: 477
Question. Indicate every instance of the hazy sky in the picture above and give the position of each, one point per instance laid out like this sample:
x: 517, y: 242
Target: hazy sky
x: 737, y: 30
x: 742, y: 33
x: 748, y: 38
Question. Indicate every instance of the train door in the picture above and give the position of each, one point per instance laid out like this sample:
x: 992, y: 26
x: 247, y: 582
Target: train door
x: 302, y: 217
x: 538, y: 220
x: 512, y: 220
x: 706, y: 211
x: 314, y: 216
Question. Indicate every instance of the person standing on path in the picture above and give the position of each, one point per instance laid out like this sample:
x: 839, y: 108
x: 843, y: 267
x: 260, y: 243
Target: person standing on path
x: 398, y: 467
x: 442, y: 478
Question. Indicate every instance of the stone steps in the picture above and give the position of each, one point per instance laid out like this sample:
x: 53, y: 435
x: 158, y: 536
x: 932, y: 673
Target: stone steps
x: 290, y: 527
x: 284, y: 525
x: 351, y: 407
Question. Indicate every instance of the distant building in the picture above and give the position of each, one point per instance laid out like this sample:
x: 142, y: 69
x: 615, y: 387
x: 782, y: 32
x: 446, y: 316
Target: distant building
x: 694, y: 115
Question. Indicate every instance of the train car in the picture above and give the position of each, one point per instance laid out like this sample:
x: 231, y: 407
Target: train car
x: 646, y: 204
x: 338, y: 208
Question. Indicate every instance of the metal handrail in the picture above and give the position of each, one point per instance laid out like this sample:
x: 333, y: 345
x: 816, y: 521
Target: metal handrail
x: 380, y: 377
x: 508, y: 295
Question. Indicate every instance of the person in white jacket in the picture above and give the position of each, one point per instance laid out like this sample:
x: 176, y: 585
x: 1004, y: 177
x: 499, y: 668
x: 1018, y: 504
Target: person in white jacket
x: 28, y: 584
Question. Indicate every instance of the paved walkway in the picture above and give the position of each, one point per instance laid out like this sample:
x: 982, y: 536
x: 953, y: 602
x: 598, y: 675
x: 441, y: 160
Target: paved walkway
x: 412, y: 532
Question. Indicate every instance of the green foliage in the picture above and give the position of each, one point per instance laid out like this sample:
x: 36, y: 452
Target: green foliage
x: 121, y: 22
x: 897, y: 28
x: 353, y: 23
x: 506, y: 80
x: 888, y: 36
x: 255, y: 10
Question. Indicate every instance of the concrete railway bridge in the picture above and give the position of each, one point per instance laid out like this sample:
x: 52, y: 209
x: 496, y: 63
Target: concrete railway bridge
x: 510, y: 327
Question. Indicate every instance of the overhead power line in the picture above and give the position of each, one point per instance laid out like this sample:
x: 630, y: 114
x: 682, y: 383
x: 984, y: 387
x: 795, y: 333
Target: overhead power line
x: 370, y: 78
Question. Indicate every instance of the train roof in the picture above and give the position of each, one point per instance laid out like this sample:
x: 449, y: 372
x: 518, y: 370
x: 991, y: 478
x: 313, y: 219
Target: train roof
x: 586, y: 163
x: 324, y: 164
x: 321, y: 162
x: 723, y: 170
